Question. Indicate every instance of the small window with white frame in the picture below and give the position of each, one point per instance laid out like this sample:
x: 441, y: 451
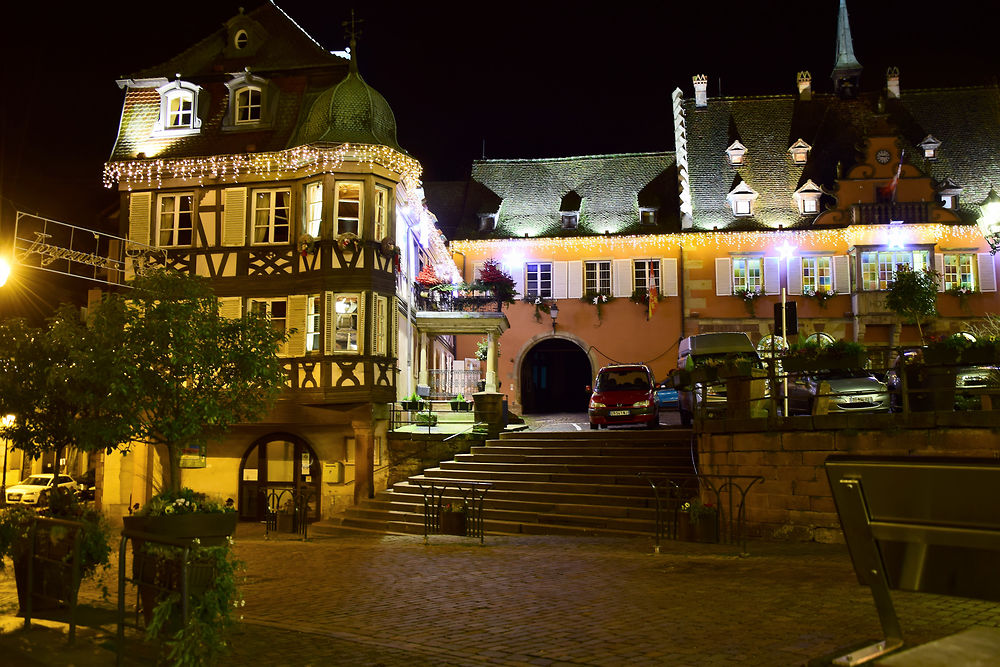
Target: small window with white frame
x: 878, y: 267
x: 741, y: 198
x: 647, y: 217
x: 313, y: 324
x: 930, y: 146
x: 270, y: 216
x: 641, y: 270
x: 807, y: 198
x: 348, y: 207
x: 959, y: 271
x: 799, y: 152
x: 313, y: 209
x: 381, y: 223
x: 736, y: 153
x: 597, y: 276
x: 248, y: 105
x: 178, y: 109
x: 817, y: 275
x: 538, y: 280
x: 176, y: 220
x: 748, y: 274
x: 275, y: 310
x: 346, y: 324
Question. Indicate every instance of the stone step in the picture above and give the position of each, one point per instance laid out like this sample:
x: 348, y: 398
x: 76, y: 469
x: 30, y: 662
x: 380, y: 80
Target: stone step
x: 646, y: 459
x: 664, y: 434
x: 584, y: 496
x: 569, y: 466
x: 583, y: 449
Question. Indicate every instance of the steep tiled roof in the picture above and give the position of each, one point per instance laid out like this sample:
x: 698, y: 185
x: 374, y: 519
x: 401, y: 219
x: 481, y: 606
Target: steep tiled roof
x: 532, y: 192
x: 966, y: 121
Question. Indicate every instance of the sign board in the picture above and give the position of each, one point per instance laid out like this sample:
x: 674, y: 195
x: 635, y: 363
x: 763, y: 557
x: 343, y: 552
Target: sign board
x: 194, y: 457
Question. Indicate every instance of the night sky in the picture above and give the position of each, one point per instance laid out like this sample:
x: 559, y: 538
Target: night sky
x: 538, y: 79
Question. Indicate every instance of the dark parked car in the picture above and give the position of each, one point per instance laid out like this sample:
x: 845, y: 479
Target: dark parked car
x: 845, y: 390
x: 624, y: 394
x: 970, y: 381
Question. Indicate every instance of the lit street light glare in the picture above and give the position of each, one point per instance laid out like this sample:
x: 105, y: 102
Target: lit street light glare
x: 4, y: 270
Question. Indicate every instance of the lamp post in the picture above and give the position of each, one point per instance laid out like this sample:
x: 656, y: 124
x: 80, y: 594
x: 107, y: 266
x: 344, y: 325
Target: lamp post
x: 554, y: 313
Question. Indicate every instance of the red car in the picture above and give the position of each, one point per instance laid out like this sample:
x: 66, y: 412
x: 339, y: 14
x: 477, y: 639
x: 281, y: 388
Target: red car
x: 624, y: 394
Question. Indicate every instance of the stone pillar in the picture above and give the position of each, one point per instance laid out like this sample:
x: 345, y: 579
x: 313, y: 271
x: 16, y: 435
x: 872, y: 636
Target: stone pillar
x: 491, y: 362
x: 364, y: 460
x: 423, y: 374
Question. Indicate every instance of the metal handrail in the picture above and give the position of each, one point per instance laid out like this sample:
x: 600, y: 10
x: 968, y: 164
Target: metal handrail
x: 473, y: 496
x: 300, y: 507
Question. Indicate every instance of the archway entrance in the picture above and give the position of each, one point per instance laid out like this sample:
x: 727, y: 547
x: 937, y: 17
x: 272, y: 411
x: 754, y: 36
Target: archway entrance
x: 280, y: 463
x: 554, y: 378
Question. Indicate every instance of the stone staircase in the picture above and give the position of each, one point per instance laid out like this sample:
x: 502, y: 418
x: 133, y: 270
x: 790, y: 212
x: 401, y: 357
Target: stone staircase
x: 583, y: 483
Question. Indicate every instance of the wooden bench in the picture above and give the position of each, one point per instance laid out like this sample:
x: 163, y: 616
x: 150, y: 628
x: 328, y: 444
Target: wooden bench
x: 929, y: 524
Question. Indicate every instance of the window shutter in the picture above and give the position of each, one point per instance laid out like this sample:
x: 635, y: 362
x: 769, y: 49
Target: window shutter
x: 517, y: 273
x: 231, y: 307
x: 138, y: 217
x: 723, y: 276
x: 772, y: 275
x: 668, y: 276
x: 795, y: 275
x: 939, y: 266
x: 392, y: 321
x: 296, y: 319
x: 477, y: 269
x: 559, y: 284
x: 987, y: 273
x: 574, y: 280
x: 842, y: 274
x: 362, y: 324
x: 328, y: 316
x: 621, y: 280
x: 234, y: 216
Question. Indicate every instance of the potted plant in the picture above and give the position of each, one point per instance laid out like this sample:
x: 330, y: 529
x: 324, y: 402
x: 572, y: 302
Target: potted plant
x: 497, y: 282
x: 749, y: 297
x: 212, y: 572
x: 413, y: 403
x: 459, y: 404
x: 821, y: 295
x: 597, y: 299
x: 452, y: 519
x: 698, y: 521
x: 811, y: 356
x: 427, y: 419
x: 53, y: 582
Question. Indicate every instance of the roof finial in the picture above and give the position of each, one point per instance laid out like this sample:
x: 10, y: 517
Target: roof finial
x: 846, y: 68
x: 353, y: 31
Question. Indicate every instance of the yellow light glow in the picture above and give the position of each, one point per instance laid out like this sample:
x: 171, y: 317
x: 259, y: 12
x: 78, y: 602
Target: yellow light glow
x: 7, y: 420
x: 4, y: 270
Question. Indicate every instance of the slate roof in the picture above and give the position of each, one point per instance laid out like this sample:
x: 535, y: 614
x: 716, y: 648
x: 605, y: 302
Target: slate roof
x: 531, y: 193
x: 287, y: 57
x: 965, y: 120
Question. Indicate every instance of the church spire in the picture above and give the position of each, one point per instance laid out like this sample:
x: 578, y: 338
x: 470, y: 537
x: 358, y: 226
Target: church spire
x: 846, y: 68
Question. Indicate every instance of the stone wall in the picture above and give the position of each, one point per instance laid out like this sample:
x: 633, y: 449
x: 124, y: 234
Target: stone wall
x: 794, y: 501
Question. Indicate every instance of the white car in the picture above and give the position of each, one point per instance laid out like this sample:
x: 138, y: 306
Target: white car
x: 31, y: 489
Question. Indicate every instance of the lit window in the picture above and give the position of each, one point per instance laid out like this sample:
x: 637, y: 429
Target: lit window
x: 817, y: 274
x: 275, y: 310
x: 597, y: 277
x: 640, y: 271
x: 741, y: 198
x: 381, y: 213
x: 736, y: 153
x: 748, y: 274
x: 248, y: 105
x: 314, y: 209
x: 878, y: 268
x: 741, y: 207
x: 538, y: 280
x: 958, y: 271
x: 270, y: 221
x: 799, y: 152
x: 180, y: 109
x: 930, y: 146
x: 348, y: 205
x: 346, y: 323
x: 312, y: 324
x: 948, y: 201
x: 647, y: 216
x: 176, y: 220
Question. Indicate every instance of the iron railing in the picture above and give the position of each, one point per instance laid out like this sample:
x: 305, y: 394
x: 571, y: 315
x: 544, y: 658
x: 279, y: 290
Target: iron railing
x: 471, y: 495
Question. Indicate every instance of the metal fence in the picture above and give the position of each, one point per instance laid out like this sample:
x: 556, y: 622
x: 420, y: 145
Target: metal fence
x: 447, y: 383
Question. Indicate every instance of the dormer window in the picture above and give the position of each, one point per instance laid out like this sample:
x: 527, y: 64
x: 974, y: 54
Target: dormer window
x: 487, y: 222
x: 251, y: 102
x: 647, y: 216
x: 569, y: 219
x: 948, y: 193
x: 741, y: 199
x: 930, y: 147
x: 569, y: 210
x: 248, y: 105
x: 178, y: 108
x: 807, y: 198
x: 799, y: 152
x: 736, y: 153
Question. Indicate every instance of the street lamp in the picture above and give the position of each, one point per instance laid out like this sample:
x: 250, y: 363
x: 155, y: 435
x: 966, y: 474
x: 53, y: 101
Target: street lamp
x: 554, y: 313
x: 989, y: 222
x: 4, y: 270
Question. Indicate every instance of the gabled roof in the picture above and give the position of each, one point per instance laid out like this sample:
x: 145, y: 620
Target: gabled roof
x: 609, y: 186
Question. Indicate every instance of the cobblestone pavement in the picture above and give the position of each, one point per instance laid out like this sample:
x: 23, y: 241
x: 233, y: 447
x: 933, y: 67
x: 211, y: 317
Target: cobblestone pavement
x: 396, y: 601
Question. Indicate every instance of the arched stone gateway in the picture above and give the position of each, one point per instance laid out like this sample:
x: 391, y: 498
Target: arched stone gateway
x: 279, y: 462
x: 555, y: 374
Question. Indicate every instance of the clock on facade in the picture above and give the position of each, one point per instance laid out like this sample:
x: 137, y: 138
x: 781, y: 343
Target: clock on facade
x: 883, y: 156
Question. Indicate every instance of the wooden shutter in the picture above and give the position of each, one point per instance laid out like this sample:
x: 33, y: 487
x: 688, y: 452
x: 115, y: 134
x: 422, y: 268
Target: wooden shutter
x: 772, y: 275
x: 842, y: 274
x: 574, y: 279
x: 621, y: 279
x: 234, y: 216
x: 939, y: 266
x: 363, y: 327
x: 296, y: 319
x: 668, y: 276
x: 392, y: 321
x: 517, y: 273
x: 559, y: 280
x: 477, y: 269
x: 231, y: 307
x: 329, y: 315
x: 139, y: 217
x: 987, y: 273
x: 723, y: 276
x: 795, y: 275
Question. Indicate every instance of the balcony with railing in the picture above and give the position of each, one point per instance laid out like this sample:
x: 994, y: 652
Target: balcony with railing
x: 885, y: 212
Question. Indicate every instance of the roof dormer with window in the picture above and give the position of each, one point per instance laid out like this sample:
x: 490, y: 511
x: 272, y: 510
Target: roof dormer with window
x: 948, y: 192
x: 569, y: 210
x: 799, y: 152
x: 178, y: 109
x: 807, y: 198
x: 251, y: 102
x: 929, y: 146
x: 736, y: 153
x: 741, y: 199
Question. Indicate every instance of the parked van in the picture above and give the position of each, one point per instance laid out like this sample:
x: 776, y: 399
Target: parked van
x: 693, y: 351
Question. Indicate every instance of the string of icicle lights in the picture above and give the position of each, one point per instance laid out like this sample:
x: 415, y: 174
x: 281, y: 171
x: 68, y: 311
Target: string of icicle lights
x: 817, y: 239
x: 151, y: 172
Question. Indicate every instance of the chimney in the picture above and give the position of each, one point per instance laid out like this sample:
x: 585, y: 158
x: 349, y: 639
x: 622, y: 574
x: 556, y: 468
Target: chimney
x: 892, y: 82
x: 804, y: 80
x: 700, y: 90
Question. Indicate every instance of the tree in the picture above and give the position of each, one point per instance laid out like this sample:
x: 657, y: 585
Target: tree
x: 912, y: 295
x: 188, y: 372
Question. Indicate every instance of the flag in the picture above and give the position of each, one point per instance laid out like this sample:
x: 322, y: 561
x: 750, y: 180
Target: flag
x: 651, y: 292
x: 888, y: 190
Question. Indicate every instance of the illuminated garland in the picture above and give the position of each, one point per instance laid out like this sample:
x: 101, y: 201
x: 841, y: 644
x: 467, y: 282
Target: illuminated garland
x: 651, y: 244
x: 277, y: 165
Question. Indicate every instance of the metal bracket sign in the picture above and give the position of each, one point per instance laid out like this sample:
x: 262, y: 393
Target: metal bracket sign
x: 61, y: 248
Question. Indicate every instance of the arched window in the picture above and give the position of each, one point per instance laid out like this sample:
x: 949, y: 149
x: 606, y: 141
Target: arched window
x: 178, y: 108
x: 248, y: 105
